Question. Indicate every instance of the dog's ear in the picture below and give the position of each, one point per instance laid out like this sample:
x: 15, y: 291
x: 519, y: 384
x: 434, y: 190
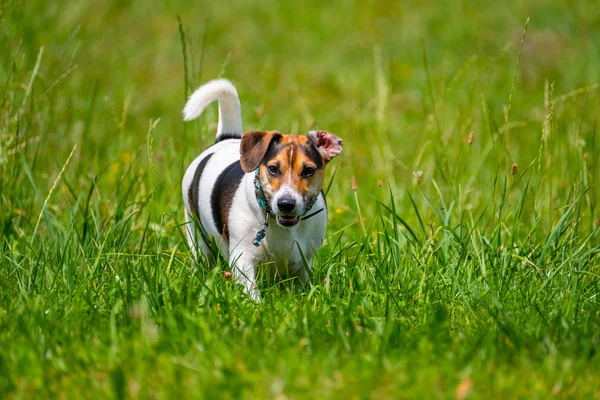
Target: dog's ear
x: 326, y: 143
x: 253, y: 148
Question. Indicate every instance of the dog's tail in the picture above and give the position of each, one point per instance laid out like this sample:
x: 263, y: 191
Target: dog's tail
x: 230, y: 114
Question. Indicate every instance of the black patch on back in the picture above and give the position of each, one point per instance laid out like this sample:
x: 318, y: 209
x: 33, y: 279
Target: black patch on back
x: 222, y: 196
x: 226, y: 136
x: 193, y: 190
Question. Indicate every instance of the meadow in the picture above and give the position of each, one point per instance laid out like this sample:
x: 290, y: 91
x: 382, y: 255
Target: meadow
x: 463, y: 254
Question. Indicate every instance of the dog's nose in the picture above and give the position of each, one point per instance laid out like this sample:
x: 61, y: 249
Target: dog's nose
x: 286, y: 204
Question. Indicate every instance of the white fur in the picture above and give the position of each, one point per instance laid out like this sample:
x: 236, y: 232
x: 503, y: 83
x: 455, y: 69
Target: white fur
x: 288, y: 191
x: 279, y: 251
x: 230, y: 115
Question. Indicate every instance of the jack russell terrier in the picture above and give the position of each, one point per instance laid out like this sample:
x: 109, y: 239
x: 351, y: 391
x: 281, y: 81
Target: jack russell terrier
x: 256, y: 198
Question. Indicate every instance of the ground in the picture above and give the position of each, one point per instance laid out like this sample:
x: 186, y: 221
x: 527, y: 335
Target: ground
x: 462, y: 256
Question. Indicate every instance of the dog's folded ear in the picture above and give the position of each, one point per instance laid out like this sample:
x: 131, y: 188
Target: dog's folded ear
x: 328, y: 144
x: 253, y: 148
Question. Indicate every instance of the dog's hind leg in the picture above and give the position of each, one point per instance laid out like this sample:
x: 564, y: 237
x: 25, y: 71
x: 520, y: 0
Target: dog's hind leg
x: 197, y: 242
x: 190, y: 233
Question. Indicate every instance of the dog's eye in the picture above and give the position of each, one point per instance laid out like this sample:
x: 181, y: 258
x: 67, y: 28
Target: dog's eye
x: 273, y: 170
x: 308, y: 172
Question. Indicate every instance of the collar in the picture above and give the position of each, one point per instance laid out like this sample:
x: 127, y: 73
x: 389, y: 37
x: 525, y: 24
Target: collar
x: 261, y: 198
x: 265, y: 205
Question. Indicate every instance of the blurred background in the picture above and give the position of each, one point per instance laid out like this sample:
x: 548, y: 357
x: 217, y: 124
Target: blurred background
x: 404, y: 83
x: 475, y: 122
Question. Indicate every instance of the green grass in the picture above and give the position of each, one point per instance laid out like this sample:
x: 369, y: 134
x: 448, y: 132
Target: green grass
x: 473, y: 281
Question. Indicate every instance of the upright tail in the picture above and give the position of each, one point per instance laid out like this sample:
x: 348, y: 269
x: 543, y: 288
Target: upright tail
x: 230, y: 114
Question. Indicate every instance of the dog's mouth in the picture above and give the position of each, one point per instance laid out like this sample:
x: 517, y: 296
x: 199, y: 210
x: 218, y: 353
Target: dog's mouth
x: 288, y: 220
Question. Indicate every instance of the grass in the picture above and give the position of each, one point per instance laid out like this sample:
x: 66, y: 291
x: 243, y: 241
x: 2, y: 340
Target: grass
x: 456, y: 264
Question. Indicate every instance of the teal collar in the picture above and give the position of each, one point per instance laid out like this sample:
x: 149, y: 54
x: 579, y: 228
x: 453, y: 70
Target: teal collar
x: 265, y: 206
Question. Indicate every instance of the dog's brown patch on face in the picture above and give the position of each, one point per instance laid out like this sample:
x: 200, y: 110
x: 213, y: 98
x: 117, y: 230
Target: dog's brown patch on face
x: 293, y: 161
x: 254, y: 146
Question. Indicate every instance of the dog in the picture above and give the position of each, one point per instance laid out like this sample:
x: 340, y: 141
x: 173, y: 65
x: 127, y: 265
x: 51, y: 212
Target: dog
x: 257, y: 197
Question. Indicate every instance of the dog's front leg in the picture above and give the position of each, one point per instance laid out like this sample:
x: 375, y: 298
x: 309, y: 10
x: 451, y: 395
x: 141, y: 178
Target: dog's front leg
x: 300, y: 273
x: 243, y: 268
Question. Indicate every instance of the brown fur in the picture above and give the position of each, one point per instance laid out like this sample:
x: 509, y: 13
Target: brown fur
x: 253, y: 148
x: 291, y: 154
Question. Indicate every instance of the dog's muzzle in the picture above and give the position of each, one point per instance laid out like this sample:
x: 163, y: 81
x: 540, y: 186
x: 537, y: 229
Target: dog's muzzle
x: 286, y: 206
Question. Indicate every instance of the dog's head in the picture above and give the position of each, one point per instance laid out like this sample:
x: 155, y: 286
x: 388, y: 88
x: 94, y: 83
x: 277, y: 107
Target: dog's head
x: 291, y: 168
